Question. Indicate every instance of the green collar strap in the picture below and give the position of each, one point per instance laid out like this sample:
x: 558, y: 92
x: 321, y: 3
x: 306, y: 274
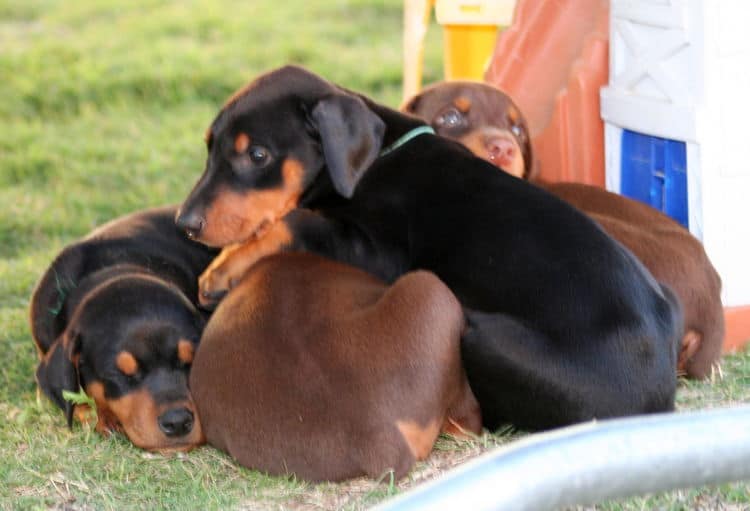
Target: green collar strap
x: 420, y: 130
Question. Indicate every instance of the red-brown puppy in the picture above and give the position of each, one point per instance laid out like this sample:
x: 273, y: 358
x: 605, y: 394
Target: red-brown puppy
x: 468, y: 111
x: 482, y: 118
x: 319, y: 369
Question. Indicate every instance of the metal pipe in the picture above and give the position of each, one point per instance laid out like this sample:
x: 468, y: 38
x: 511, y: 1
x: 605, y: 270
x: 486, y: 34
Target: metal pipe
x: 592, y: 462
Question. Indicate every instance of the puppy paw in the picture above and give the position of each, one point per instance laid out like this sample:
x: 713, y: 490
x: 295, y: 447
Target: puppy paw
x: 213, y: 285
x: 228, y: 268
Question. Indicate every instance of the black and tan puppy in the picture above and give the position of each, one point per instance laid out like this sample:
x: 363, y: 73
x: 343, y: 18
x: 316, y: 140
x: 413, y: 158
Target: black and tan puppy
x: 469, y: 111
x: 319, y: 369
x: 572, y: 326
x: 113, y: 315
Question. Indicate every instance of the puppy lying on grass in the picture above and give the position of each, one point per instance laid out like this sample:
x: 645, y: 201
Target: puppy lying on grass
x: 115, y: 315
x: 319, y: 369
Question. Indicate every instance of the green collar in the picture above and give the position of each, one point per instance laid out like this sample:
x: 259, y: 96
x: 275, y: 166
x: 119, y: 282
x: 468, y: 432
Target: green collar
x: 406, y: 137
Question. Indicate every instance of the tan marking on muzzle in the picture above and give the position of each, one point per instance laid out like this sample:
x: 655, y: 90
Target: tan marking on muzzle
x: 237, y: 217
x: 136, y: 415
x: 475, y: 142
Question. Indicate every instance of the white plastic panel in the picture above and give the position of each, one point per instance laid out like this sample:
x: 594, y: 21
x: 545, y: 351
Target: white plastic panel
x: 680, y: 69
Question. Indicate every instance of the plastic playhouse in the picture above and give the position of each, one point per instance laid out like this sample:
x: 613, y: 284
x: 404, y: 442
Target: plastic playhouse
x: 645, y: 97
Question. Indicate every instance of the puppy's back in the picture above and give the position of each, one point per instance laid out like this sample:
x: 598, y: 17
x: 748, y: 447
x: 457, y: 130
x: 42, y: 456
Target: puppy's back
x: 146, y: 239
x: 317, y: 368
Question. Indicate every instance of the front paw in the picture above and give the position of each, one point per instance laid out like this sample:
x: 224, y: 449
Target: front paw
x: 213, y: 285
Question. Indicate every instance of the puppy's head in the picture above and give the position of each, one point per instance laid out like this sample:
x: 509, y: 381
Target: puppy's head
x: 268, y: 144
x: 129, y: 346
x: 482, y: 118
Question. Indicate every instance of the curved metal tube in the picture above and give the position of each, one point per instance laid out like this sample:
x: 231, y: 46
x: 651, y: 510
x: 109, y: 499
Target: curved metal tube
x: 596, y: 461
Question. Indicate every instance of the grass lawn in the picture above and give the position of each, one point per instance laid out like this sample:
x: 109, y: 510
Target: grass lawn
x: 103, y: 108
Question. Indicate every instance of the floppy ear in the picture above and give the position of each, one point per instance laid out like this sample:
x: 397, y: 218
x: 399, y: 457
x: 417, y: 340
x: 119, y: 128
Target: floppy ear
x: 58, y: 371
x: 47, y: 308
x: 351, y: 135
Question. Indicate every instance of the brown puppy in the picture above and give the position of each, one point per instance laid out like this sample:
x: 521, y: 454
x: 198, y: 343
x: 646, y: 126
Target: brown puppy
x: 468, y: 111
x: 461, y: 110
x: 319, y: 369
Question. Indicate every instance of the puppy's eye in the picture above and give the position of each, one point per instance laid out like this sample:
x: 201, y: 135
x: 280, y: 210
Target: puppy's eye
x: 516, y: 129
x: 450, y: 118
x: 258, y: 154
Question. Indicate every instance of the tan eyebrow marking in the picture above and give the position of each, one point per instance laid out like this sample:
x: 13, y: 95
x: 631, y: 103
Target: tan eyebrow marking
x: 241, y: 142
x: 462, y: 103
x: 126, y: 363
x: 185, y: 351
x: 514, y: 115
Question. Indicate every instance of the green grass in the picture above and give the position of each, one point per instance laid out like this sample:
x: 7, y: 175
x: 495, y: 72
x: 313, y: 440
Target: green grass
x: 103, y: 107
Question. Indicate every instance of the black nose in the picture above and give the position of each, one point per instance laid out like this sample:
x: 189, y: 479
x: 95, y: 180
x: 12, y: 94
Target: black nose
x: 176, y: 422
x: 191, y: 223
